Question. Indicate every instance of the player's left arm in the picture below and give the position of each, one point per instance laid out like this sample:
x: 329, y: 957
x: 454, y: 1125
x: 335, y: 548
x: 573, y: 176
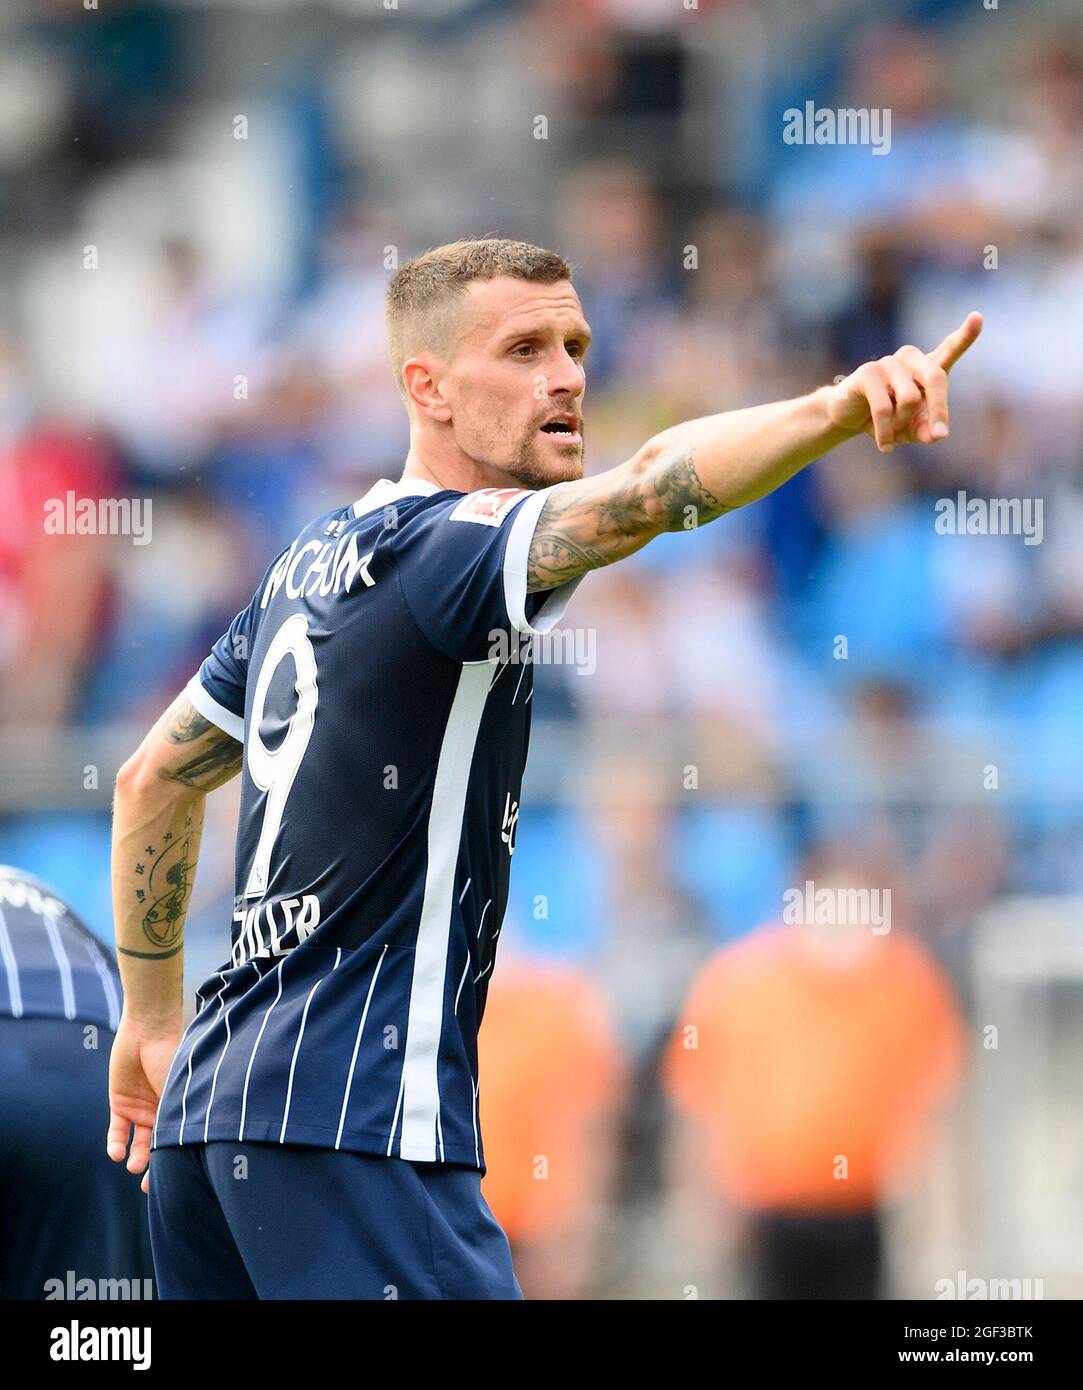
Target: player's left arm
x: 695, y: 472
x: 157, y: 826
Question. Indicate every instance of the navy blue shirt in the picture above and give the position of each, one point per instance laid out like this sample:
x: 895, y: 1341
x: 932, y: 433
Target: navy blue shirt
x: 381, y: 685
x: 51, y: 964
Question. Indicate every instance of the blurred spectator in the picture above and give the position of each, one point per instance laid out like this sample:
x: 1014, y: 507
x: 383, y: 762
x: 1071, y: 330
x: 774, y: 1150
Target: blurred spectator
x: 54, y: 588
x: 810, y: 1058
x: 552, y: 1086
x: 655, y: 937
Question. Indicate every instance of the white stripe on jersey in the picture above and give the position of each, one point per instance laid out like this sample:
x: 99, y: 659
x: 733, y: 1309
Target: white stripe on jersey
x: 356, y: 1045
x: 474, y: 1109
x: 395, y: 1117
x: 222, y: 1058
x: 420, y: 1085
x: 7, y: 954
x: 112, y: 1002
x: 188, y: 1079
x: 255, y: 1049
x: 63, y: 964
x: 297, y: 1044
x: 462, y: 982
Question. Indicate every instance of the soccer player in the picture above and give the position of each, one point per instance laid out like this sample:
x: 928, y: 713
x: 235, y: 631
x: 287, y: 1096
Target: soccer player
x: 315, y: 1130
x: 70, y: 1229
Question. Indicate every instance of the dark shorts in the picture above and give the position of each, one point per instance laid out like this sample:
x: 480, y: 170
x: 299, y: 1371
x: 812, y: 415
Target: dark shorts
x: 73, y: 1224
x: 232, y: 1220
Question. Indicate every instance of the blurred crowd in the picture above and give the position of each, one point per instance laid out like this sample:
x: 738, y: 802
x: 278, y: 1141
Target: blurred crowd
x: 202, y: 209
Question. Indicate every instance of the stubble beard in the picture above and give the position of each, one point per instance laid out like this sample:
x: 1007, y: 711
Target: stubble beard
x: 532, y: 468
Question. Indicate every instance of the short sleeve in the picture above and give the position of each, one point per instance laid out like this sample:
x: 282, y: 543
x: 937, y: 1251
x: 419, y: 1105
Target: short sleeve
x: 217, y: 689
x: 462, y: 565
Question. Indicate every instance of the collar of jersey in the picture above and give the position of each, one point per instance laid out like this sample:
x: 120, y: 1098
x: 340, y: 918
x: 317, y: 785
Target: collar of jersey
x: 385, y: 491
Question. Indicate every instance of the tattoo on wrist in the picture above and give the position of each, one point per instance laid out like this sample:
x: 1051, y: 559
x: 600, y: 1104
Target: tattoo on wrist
x: 151, y: 955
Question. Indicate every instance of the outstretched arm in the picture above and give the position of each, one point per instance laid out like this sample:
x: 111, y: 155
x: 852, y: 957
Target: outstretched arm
x: 692, y: 473
x: 157, y: 825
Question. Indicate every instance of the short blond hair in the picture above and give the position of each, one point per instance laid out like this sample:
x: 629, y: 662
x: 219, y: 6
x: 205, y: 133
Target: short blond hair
x: 425, y: 294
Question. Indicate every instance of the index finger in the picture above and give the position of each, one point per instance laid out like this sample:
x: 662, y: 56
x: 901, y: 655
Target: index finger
x: 955, y: 344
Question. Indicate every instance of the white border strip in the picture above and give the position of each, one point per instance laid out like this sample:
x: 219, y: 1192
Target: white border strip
x: 209, y: 708
x: 420, y: 1081
x: 516, y: 554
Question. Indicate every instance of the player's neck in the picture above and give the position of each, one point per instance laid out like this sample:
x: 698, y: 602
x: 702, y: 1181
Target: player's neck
x: 454, y: 472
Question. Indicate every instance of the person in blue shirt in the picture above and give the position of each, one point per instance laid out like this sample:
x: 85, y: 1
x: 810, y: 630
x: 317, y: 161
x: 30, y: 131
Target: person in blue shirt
x: 315, y: 1128
x: 70, y: 1228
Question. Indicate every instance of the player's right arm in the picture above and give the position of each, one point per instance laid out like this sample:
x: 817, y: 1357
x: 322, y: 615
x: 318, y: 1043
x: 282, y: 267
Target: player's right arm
x: 694, y: 472
x: 157, y: 826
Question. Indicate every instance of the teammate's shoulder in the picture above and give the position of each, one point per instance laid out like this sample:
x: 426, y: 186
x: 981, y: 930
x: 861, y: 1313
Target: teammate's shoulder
x: 20, y: 888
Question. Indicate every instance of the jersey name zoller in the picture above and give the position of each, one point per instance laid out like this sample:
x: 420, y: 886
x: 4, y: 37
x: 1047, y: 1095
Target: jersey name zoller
x: 272, y: 929
x: 332, y: 570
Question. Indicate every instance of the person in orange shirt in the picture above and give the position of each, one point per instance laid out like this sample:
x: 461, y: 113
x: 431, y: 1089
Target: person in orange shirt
x: 553, y: 1082
x: 809, y: 1056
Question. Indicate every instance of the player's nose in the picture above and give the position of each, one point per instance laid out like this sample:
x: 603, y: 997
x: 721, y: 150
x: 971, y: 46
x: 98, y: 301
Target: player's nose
x: 566, y: 376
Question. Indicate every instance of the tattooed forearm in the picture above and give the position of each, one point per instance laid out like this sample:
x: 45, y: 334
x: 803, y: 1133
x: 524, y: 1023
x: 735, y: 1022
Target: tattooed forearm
x: 157, y: 826
x: 679, y: 480
x: 586, y: 525
x: 168, y: 870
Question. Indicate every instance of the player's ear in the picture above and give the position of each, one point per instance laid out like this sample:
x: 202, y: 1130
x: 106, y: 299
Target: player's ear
x: 419, y: 382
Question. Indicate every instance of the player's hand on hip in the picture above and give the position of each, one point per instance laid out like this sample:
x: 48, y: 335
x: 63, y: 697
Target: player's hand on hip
x: 138, y: 1067
x: 902, y: 399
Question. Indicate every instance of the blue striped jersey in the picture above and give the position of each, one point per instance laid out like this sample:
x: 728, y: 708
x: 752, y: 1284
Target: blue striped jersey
x: 380, y: 681
x: 51, y: 963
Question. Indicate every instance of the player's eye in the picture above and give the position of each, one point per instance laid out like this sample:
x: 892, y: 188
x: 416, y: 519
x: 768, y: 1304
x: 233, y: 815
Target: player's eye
x: 523, y: 349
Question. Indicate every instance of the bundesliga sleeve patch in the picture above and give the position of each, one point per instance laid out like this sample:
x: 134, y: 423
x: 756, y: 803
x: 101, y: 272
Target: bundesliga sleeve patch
x: 488, y: 507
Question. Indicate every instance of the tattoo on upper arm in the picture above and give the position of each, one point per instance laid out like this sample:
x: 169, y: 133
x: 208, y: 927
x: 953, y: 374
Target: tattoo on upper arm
x: 218, y: 757
x: 581, y: 530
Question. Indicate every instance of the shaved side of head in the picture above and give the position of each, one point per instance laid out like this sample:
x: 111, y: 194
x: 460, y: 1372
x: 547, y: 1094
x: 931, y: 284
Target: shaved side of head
x: 426, y: 296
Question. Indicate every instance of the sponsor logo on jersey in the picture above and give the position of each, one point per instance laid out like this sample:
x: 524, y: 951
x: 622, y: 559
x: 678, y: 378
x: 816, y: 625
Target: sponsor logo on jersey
x: 488, y: 507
